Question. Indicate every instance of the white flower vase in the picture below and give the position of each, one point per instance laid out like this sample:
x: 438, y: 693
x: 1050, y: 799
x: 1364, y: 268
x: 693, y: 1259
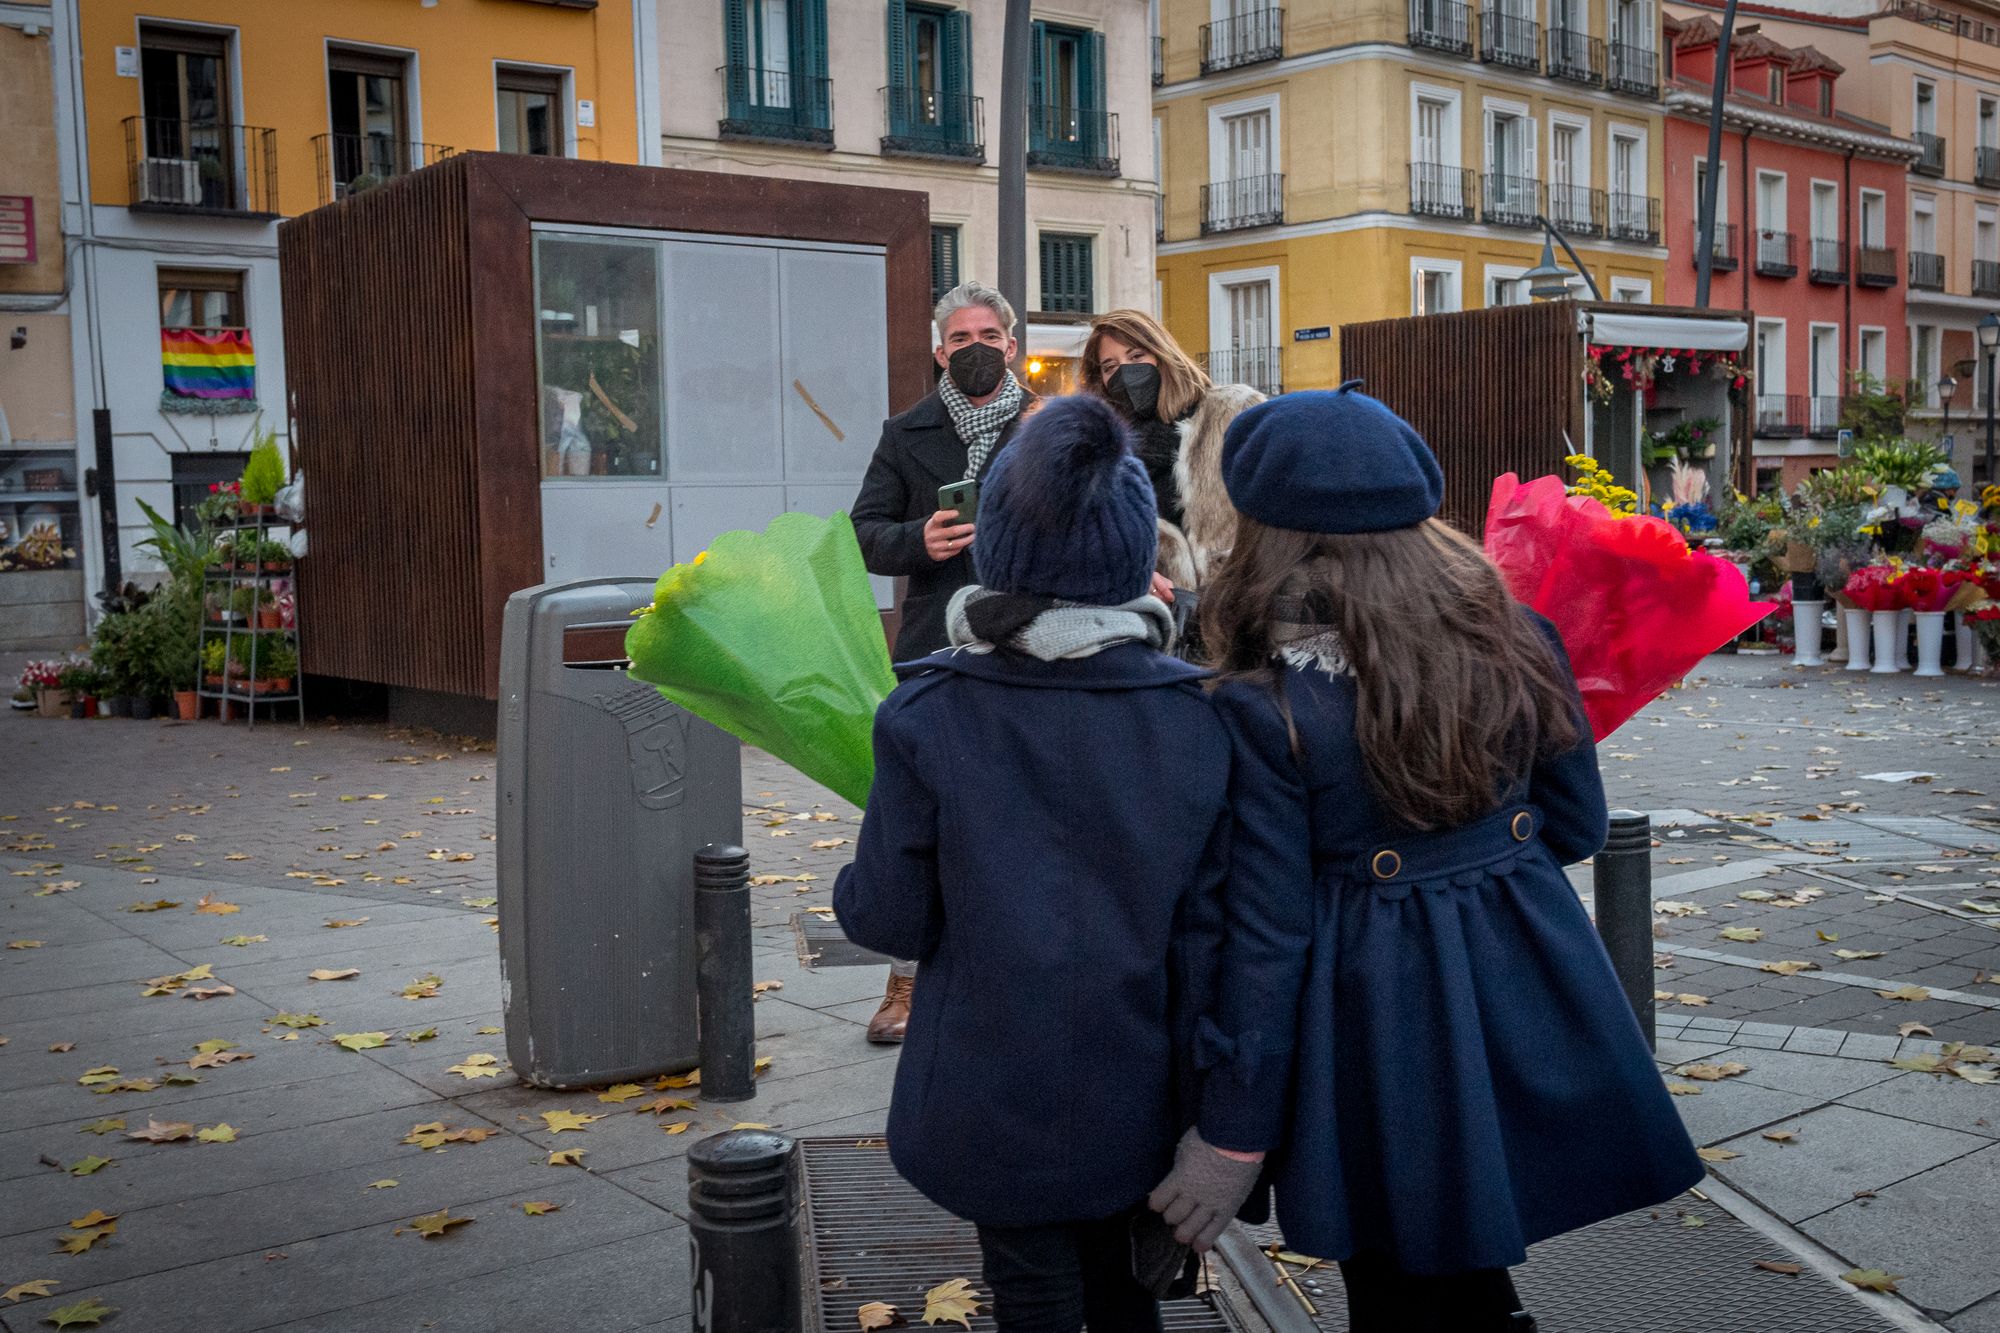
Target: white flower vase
x: 1888, y: 652
x: 1839, y: 654
x: 1906, y: 620
x: 1856, y: 621
x: 1930, y: 643
x: 1966, y: 644
x: 1806, y: 633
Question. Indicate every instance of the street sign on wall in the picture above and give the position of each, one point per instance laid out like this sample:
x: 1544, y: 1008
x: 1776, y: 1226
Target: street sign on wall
x: 17, y: 229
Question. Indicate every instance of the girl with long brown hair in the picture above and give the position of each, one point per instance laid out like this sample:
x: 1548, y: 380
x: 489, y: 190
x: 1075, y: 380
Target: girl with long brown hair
x: 1414, y: 1017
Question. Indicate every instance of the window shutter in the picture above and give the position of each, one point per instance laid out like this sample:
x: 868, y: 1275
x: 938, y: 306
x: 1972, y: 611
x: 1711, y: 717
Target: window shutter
x: 1092, y: 131
x: 944, y: 261
x: 957, y: 74
x: 901, y: 95
x: 812, y: 102
x: 736, y: 50
x: 1038, y: 92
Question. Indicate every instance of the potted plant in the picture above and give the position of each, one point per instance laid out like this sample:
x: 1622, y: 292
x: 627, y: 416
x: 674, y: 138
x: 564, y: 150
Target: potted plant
x: 263, y: 475
x: 43, y: 679
x: 277, y: 665
x: 244, y: 602
x: 274, y: 557
x: 220, y: 508
x: 213, y: 662
x: 79, y: 681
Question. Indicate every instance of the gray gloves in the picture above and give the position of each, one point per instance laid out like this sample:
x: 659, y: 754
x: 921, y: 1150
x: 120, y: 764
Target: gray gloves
x: 1202, y: 1192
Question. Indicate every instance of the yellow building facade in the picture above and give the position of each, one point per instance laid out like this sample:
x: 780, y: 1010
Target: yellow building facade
x: 1334, y: 161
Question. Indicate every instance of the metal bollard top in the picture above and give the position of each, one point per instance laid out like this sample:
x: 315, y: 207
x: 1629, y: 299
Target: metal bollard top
x: 739, y: 1151
x: 1630, y: 830
x: 720, y: 866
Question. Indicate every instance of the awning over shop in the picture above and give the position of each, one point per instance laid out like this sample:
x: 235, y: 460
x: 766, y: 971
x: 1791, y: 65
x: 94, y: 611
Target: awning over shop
x: 1048, y: 341
x: 1678, y: 331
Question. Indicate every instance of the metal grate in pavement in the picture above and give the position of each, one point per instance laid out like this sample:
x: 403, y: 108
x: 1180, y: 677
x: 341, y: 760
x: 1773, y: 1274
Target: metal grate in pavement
x: 1644, y: 1271
x: 821, y: 943
x: 876, y: 1239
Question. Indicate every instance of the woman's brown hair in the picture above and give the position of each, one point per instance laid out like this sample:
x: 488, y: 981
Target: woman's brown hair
x: 1182, y: 382
x: 1457, y: 692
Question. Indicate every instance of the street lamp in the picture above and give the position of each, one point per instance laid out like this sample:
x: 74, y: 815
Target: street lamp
x: 1548, y: 280
x: 1946, y: 387
x: 1988, y: 329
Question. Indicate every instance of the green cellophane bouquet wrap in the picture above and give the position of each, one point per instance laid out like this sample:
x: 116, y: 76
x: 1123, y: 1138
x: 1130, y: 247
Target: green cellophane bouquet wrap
x: 775, y: 638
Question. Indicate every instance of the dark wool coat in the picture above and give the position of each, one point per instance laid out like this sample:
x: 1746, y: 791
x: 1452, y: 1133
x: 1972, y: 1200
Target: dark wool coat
x: 1426, y: 1027
x: 919, y: 452
x: 1046, y: 839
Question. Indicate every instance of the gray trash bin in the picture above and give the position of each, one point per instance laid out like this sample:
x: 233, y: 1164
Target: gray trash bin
x: 607, y: 790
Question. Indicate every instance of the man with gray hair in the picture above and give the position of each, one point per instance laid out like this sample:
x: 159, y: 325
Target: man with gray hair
x: 950, y: 436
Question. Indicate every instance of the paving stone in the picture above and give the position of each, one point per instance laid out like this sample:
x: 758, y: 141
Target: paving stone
x: 1731, y: 1107
x: 1935, y: 1228
x: 1838, y: 1150
x: 1869, y: 1046
x: 1812, y: 1041
x: 1981, y: 1318
x: 1949, y: 1101
x: 1672, y: 1051
x: 1820, y: 1077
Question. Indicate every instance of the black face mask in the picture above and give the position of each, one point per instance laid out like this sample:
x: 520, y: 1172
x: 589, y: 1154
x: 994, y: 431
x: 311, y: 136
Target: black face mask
x: 1135, y: 389
x: 977, y: 369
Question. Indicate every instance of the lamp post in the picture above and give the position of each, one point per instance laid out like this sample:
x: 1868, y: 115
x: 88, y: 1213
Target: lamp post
x: 1946, y: 387
x: 1988, y: 329
x: 1548, y: 280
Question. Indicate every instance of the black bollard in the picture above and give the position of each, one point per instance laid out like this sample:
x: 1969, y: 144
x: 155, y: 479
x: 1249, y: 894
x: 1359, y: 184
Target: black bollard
x: 744, y: 1221
x: 1622, y: 877
x: 724, y: 991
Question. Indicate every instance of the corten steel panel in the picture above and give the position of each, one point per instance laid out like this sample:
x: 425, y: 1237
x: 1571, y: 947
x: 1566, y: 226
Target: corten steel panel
x: 410, y: 349
x: 1492, y: 390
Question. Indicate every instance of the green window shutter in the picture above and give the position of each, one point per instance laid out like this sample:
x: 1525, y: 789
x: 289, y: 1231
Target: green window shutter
x: 1066, y: 273
x: 899, y: 94
x: 1038, y: 92
x: 958, y: 75
x: 736, y: 56
x: 944, y: 261
x: 812, y: 98
x: 1091, y: 121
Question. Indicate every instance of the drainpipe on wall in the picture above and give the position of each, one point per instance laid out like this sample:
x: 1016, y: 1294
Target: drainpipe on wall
x: 1850, y: 335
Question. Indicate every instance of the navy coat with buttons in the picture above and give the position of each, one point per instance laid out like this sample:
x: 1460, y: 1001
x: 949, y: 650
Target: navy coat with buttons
x: 1046, y: 839
x: 1424, y: 1028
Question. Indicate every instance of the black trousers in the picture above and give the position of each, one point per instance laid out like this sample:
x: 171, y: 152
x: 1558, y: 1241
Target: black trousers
x: 1066, y: 1276
x: 1382, y: 1298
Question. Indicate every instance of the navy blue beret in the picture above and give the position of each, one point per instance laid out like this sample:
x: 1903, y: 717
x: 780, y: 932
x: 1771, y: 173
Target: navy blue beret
x: 1330, y: 461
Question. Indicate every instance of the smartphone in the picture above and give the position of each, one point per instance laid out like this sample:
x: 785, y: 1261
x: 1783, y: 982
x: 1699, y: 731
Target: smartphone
x: 962, y: 496
x: 1160, y: 1264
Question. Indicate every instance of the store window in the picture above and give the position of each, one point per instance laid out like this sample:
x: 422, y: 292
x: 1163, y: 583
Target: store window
x: 530, y: 105
x: 599, y: 349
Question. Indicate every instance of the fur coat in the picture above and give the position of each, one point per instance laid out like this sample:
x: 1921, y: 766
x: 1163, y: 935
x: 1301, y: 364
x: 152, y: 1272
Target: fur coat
x: 1189, y: 551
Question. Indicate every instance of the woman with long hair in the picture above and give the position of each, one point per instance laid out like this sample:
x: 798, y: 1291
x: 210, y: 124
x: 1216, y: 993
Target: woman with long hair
x: 1414, y: 1016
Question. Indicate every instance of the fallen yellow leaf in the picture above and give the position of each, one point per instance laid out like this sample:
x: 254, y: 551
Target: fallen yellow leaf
x: 952, y: 1302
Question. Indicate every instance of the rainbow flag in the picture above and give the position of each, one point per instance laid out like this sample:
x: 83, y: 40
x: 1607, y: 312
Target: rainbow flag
x: 208, y: 363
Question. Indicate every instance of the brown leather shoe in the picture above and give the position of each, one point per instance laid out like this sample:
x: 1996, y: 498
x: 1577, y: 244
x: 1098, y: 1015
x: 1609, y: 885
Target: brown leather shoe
x: 886, y: 1028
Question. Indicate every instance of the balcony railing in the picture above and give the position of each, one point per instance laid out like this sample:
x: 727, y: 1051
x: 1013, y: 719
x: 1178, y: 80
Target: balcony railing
x: 1781, y: 414
x: 1634, y: 217
x: 1072, y: 138
x: 1931, y: 163
x: 1576, y: 56
x: 1926, y: 271
x: 1512, y: 201
x: 1986, y: 166
x: 1252, y: 201
x: 1634, y: 69
x: 1874, y: 266
x: 1823, y: 416
x: 1722, y: 248
x: 1259, y: 367
x: 1442, y: 192
x: 1159, y: 61
x: 1509, y: 39
x: 183, y: 166
x: 350, y: 164
x: 1441, y: 25
x: 1828, y: 263
x: 1577, y: 209
x: 776, y: 105
x: 1247, y: 39
x: 1986, y: 277
x: 1774, y: 255
x: 922, y: 122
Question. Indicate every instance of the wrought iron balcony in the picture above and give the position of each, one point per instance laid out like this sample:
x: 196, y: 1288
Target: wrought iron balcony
x: 1634, y: 69
x: 1781, y: 414
x: 922, y: 122
x: 1985, y: 277
x: 1511, y: 201
x: 1577, y: 210
x: 1986, y: 166
x: 1247, y: 39
x: 185, y: 166
x: 1774, y: 255
x: 1829, y: 262
x: 1874, y: 266
x: 1252, y: 201
x: 1823, y: 416
x: 1509, y: 39
x: 1576, y: 56
x: 777, y: 106
x: 351, y: 164
x: 1442, y: 192
x: 1722, y: 248
x: 1634, y: 217
x: 1926, y: 271
x: 1071, y: 138
x: 1262, y: 368
x: 1441, y: 25
x: 1931, y: 163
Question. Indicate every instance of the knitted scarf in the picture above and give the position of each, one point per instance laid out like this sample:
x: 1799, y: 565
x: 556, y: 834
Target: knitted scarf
x: 981, y: 620
x: 1298, y: 634
x: 980, y: 425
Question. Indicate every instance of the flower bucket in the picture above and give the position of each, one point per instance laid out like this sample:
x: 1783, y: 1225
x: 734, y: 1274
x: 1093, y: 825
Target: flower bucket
x: 51, y: 702
x: 142, y: 708
x: 1806, y: 632
x: 1888, y: 652
x: 1856, y: 621
x: 1905, y: 654
x: 1930, y: 643
x: 1965, y: 644
x: 187, y: 705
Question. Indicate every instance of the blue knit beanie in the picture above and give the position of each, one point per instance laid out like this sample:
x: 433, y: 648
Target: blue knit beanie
x: 1067, y: 510
x: 1330, y: 461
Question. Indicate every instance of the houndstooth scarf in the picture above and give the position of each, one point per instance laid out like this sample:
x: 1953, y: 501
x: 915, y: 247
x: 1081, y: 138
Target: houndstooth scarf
x: 1300, y: 637
x: 980, y: 619
x: 979, y: 425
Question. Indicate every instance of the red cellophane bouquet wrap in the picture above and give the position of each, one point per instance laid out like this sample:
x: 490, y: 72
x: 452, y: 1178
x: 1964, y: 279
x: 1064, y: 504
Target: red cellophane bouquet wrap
x: 1876, y: 588
x: 1635, y: 607
x: 1929, y: 589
